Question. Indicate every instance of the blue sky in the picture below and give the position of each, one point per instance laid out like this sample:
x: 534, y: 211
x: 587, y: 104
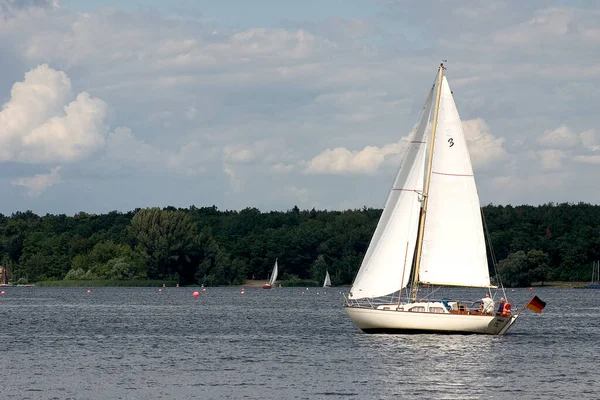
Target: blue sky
x: 270, y: 104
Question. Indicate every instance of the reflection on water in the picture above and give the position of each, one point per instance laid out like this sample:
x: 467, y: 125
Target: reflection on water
x: 135, y: 343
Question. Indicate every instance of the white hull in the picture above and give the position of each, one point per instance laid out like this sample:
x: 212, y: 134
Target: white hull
x: 373, y: 320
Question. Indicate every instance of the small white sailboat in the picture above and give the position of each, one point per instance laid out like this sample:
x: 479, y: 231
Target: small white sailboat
x: 273, y: 278
x: 5, y: 281
x: 327, y: 282
x: 595, y: 284
x: 430, y: 234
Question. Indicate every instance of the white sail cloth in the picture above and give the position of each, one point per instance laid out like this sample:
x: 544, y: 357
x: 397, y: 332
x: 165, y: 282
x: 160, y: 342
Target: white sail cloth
x: 454, y: 251
x: 386, y: 266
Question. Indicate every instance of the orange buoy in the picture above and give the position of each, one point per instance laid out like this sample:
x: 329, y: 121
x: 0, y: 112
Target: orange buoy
x: 3, y: 292
x: 89, y: 291
x: 195, y: 294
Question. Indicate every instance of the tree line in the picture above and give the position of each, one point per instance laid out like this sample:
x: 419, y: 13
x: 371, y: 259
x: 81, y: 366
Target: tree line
x: 550, y: 242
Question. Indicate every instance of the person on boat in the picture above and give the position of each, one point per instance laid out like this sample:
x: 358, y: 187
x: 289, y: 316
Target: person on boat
x: 487, y: 304
x: 501, y: 307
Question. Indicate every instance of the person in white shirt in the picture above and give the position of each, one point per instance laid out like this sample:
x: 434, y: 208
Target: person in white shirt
x: 487, y: 305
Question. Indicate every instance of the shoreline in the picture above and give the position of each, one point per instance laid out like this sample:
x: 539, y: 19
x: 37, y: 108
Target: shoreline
x: 250, y: 283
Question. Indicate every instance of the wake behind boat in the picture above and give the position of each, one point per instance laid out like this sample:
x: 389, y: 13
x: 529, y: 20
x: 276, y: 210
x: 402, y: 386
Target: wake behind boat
x: 430, y: 233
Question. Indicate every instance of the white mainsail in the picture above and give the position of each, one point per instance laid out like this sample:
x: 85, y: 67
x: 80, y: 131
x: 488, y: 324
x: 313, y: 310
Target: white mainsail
x: 327, y: 282
x: 454, y: 250
x: 274, y: 274
x: 384, y: 269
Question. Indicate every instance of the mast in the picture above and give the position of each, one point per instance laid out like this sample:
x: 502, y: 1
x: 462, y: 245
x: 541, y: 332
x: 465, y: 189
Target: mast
x: 415, y: 283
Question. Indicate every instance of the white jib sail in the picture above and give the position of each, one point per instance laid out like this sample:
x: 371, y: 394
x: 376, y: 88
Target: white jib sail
x: 273, y: 274
x: 383, y: 270
x: 454, y: 251
x: 327, y: 281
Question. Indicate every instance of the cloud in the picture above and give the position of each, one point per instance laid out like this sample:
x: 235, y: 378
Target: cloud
x: 8, y: 8
x: 343, y: 161
x: 236, y: 183
x: 551, y: 159
x: 39, y: 126
x: 589, y: 139
x: 484, y: 148
x: 594, y: 159
x: 294, y: 97
x: 262, y: 151
x: 39, y: 182
x: 297, y: 194
x: 561, y: 137
x: 125, y: 149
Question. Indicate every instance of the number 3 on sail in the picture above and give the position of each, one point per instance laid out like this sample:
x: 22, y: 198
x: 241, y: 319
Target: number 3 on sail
x: 430, y: 234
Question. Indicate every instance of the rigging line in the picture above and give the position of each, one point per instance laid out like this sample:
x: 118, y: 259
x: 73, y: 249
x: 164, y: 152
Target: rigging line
x: 492, y: 254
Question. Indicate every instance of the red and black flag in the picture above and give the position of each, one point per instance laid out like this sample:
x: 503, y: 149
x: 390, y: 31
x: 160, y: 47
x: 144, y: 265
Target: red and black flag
x: 536, y: 305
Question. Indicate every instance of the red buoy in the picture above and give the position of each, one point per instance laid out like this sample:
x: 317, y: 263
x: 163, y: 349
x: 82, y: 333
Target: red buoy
x: 196, y: 294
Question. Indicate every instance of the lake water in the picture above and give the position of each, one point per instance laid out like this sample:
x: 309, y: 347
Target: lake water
x: 136, y: 343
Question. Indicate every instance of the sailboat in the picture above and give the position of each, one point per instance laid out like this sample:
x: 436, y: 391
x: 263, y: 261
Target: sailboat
x: 273, y: 278
x: 595, y: 284
x: 327, y: 282
x: 5, y: 281
x: 430, y: 234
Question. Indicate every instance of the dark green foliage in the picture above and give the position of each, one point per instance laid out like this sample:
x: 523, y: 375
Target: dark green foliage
x: 204, y: 245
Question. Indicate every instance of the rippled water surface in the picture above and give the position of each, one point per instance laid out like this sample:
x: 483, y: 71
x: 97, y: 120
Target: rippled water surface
x: 137, y: 343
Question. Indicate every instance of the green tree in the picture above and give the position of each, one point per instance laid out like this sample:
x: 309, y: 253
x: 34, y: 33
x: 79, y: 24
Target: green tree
x: 169, y: 239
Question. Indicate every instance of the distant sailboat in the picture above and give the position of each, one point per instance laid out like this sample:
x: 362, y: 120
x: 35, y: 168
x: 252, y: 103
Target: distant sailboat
x: 273, y: 278
x: 327, y: 282
x: 595, y: 284
x: 430, y: 233
x: 5, y: 281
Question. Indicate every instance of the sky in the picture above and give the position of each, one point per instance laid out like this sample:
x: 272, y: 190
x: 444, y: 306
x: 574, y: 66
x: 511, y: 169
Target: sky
x: 120, y: 104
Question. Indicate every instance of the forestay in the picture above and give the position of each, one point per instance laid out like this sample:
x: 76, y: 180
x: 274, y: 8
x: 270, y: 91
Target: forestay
x: 384, y: 270
x: 453, y: 244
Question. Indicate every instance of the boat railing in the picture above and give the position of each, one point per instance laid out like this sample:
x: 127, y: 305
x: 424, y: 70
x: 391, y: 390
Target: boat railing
x: 370, y: 302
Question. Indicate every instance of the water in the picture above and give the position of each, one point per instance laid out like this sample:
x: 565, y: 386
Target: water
x: 136, y: 343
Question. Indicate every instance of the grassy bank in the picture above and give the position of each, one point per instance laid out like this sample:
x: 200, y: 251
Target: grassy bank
x: 98, y: 283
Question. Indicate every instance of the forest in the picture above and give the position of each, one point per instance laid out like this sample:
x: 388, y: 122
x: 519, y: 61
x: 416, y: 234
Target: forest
x: 550, y: 242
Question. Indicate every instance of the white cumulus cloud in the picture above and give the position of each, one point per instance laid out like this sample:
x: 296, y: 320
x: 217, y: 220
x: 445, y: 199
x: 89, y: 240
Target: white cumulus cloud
x: 560, y: 138
x: 39, y: 124
x: 343, y: 161
x: 484, y: 148
x: 39, y: 182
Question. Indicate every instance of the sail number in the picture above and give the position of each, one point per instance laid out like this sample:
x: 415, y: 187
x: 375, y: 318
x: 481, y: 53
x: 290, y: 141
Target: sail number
x: 451, y: 141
